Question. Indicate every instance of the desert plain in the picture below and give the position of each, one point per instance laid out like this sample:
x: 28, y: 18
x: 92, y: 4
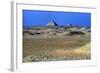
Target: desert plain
x: 56, y: 43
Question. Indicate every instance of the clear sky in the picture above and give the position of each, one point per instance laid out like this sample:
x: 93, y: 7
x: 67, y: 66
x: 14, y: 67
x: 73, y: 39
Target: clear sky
x: 42, y: 18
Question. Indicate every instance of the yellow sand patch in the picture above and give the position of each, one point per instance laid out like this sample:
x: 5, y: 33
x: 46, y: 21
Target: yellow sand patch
x: 85, y: 49
x: 82, y: 51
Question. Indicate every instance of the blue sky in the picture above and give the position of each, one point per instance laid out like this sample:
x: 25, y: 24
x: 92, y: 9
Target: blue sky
x: 42, y: 18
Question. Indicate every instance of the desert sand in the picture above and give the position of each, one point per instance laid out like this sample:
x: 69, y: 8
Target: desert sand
x: 56, y: 44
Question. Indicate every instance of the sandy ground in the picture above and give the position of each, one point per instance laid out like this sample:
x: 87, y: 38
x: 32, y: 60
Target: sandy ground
x: 75, y: 47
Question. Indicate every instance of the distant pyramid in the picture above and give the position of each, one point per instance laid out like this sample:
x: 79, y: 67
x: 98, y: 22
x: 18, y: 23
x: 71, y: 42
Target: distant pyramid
x: 52, y: 24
